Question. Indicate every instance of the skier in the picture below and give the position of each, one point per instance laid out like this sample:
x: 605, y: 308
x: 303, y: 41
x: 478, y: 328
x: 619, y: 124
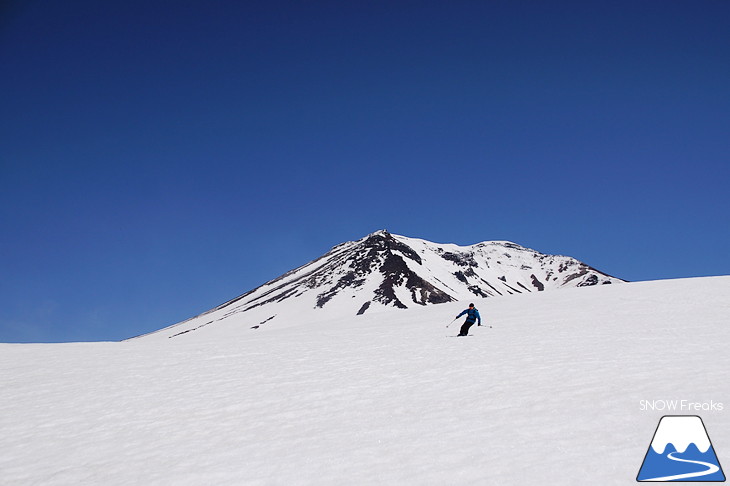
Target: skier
x: 472, y: 316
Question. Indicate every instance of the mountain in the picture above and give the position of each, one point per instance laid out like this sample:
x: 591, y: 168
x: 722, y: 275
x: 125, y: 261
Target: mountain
x: 383, y: 270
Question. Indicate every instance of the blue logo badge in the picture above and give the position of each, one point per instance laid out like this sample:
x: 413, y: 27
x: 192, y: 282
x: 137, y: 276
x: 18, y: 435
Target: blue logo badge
x: 681, y: 451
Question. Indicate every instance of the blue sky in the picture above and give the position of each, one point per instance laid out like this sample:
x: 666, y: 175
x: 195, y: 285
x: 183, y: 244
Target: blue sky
x: 158, y: 158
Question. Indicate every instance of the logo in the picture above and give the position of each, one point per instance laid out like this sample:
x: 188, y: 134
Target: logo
x: 680, y: 451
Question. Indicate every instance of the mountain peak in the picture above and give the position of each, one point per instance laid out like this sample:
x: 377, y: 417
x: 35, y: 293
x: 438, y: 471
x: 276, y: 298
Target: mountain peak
x: 382, y: 270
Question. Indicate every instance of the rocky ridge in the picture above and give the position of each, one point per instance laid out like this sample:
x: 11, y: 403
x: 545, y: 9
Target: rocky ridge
x: 383, y: 271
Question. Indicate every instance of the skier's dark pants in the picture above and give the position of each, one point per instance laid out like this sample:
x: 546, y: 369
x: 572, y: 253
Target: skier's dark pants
x: 465, y: 327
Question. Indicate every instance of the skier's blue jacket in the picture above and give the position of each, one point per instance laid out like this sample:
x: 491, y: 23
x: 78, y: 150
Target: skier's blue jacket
x: 473, y: 315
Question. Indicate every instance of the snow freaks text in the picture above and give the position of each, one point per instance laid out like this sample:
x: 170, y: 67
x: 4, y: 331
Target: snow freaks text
x: 680, y: 406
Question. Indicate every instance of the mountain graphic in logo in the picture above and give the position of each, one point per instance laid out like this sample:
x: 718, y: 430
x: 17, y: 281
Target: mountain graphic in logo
x: 681, y: 451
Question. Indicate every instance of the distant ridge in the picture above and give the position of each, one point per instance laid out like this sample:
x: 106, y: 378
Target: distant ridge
x: 383, y: 270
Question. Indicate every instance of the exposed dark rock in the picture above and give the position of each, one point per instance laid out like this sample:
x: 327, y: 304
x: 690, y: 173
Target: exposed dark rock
x: 396, y: 273
x: 512, y: 246
x: 384, y: 241
x: 364, y: 307
x: 469, y: 272
x: 580, y: 273
x: 512, y: 288
x: 491, y: 286
x: 460, y: 275
x: 523, y: 286
x: 190, y: 330
x: 476, y: 290
x: 349, y: 280
x: 591, y: 280
x: 461, y: 259
x: 538, y: 285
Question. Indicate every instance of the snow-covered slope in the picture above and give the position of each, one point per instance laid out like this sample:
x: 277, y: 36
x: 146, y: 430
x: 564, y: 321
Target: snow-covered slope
x: 382, y: 271
x: 552, y: 394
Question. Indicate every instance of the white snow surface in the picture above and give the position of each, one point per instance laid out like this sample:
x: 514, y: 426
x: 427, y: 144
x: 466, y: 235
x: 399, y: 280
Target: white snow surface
x: 549, y: 395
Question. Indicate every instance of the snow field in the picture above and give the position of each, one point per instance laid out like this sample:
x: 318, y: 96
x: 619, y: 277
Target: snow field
x: 549, y: 395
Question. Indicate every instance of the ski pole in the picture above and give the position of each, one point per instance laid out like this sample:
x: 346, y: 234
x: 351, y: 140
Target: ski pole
x: 450, y: 323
